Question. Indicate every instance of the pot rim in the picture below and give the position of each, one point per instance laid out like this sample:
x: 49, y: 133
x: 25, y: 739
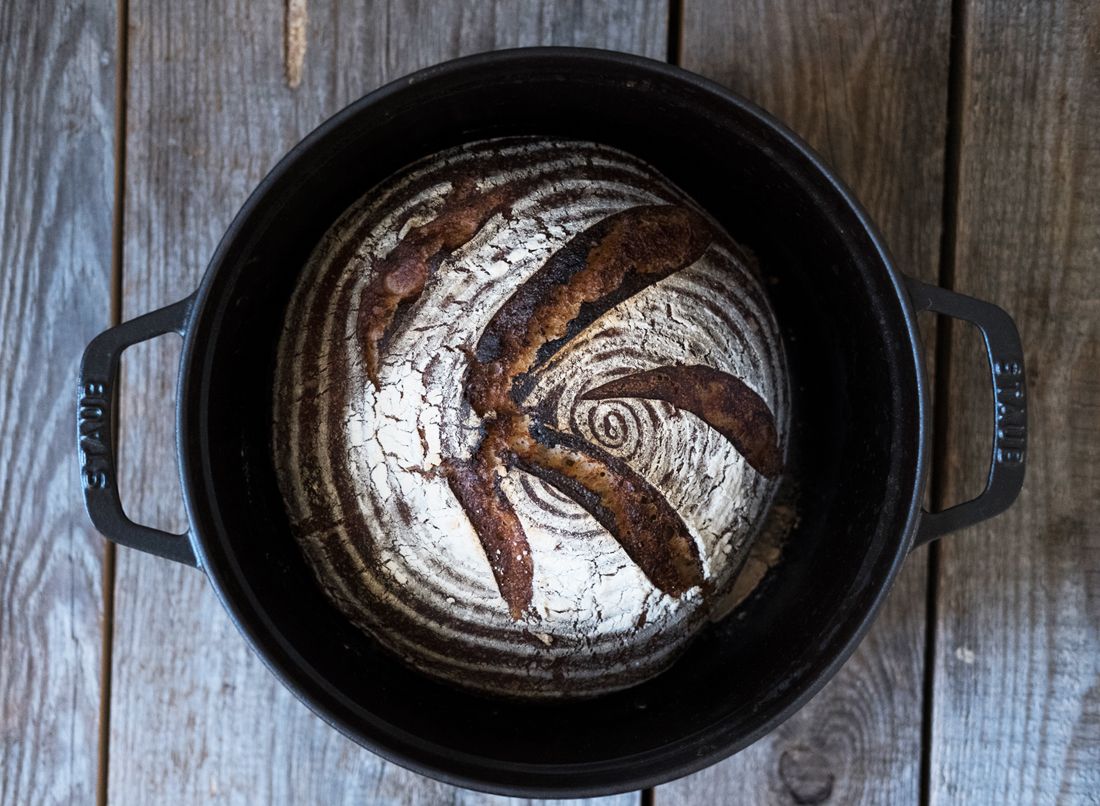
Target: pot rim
x: 630, y: 773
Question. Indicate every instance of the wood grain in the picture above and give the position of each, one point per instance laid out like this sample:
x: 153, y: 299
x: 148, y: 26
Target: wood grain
x: 1017, y: 662
x: 865, y: 85
x: 57, y: 71
x: 194, y: 717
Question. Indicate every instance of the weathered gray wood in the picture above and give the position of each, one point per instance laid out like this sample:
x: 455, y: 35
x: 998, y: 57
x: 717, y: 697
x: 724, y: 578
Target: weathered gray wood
x: 865, y: 84
x: 57, y: 73
x: 1017, y: 662
x: 194, y: 716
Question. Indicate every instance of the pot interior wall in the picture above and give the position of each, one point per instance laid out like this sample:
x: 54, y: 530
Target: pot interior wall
x: 856, y: 419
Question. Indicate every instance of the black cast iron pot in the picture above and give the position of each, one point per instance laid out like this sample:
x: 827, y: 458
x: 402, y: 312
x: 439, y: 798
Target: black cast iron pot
x: 860, y: 435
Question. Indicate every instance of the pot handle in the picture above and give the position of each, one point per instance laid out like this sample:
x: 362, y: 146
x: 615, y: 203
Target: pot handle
x: 96, y: 395
x: 1006, y: 363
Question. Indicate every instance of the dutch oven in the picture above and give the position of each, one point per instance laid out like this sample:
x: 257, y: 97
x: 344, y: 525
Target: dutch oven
x: 859, y: 440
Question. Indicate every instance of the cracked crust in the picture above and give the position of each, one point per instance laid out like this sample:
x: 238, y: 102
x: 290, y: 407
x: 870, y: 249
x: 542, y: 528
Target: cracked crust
x: 387, y: 463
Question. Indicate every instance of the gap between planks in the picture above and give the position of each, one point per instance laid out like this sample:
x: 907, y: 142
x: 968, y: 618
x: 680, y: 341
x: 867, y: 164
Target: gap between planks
x: 940, y: 405
x: 117, y: 222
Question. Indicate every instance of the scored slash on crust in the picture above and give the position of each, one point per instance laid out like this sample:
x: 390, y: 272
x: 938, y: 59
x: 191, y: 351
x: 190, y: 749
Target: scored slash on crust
x: 719, y: 399
x: 599, y: 267
x: 403, y: 272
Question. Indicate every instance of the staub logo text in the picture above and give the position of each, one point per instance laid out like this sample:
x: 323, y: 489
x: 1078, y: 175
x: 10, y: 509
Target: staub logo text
x: 1011, y: 412
x: 92, y: 414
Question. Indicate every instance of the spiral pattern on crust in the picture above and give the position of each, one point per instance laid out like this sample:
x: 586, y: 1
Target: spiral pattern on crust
x: 358, y: 466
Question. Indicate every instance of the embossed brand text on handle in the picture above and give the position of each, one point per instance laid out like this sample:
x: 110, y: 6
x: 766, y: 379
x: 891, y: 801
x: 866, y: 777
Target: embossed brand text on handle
x: 1011, y: 436
x: 92, y: 423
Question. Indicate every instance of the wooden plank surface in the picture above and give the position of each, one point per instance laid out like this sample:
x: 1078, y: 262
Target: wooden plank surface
x: 194, y: 717
x: 57, y: 71
x: 865, y: 84
x: 1017, y: 661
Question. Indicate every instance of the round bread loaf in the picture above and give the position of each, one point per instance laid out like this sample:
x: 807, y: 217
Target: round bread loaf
x: 530, y: 410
